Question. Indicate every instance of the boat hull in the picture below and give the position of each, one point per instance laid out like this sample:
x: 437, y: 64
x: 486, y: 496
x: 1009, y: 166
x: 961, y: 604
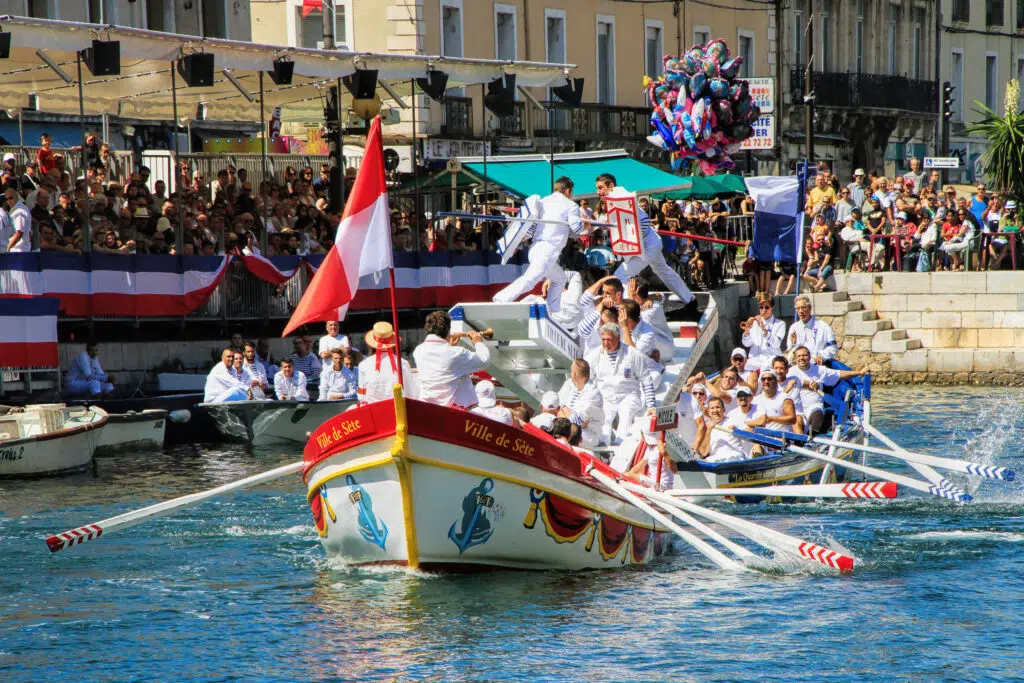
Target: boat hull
x: 64, y: 451
x: 184, y: 424
x: 259, y: 423
x: 434, y: 500
x: 133, y: 431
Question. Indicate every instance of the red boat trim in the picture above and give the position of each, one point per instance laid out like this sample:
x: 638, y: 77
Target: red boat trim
x: 355, y: 427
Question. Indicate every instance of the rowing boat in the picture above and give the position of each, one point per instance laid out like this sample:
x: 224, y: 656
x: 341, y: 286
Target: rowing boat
x: 260, y: 423
x: 48, y: 439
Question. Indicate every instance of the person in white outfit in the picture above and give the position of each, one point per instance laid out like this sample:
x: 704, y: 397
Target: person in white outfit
x: 334, y: 383
x: 647, y: 466
x: 446, y: 370
x: 378, y: 372
x: 717, y: 445
x: 334, y: 339
x: 624, y: 382
x: 548, y: 411
x: 256, y: 371
x: 763, y: 334
x: 813, y: 379
x: 742, y: 416
x: 487, y: 404
x: 808, y: 331
x: 652, y: 256
x: 548, y: 240
x: 580, y: 401
x: 226, y: 382
x: 778, y: 411
x: 86, y: 376
x: 21, y: 223
x: 289, y: 383
x: 641, y: 336
x: 653, y: 313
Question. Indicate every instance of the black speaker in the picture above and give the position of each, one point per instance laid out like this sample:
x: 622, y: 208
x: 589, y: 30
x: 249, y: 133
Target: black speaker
x: 5, y: 45
x: 362, y: 84
x: 197, y: 69
x: 33, y: 102
x: 103, y: 58
x: 571, y: 93
x: 501, y: 95
x: 434, y: 85
x: 283, y: 70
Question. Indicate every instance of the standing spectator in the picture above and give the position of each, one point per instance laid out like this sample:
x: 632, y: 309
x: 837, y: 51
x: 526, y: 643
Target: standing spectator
x: 821, y: 193
x: 44, y: 157
x: 845, y: 206
x: 859, y: 189
x: 305, y: 361
x: 979, y: 202
x: 915, y: 174
x: 21, y: 223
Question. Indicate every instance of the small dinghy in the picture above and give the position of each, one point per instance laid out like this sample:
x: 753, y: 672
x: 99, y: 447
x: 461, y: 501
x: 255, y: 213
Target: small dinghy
x: 48, y: 439
x: 141, y: 430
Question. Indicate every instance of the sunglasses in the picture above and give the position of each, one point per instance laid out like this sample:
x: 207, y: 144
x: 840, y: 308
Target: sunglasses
x: 699, y: 393
x: 769, y: 378
x: 764, y: 306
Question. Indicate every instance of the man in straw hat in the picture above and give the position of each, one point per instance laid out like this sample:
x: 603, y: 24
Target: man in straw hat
x: 445, y: 369
x: 378, y: 372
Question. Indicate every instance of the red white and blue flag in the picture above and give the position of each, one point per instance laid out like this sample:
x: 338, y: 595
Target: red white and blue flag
x: 277, y: 271
x: 28, y: 333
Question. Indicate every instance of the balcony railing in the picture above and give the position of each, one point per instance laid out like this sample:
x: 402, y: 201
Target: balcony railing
x: 514, y: 125
x: 591, y: 122
x: 878, y: 91
x: 458, y: 117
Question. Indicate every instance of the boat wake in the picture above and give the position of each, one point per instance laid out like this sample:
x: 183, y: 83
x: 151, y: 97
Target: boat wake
x: 967, y: 536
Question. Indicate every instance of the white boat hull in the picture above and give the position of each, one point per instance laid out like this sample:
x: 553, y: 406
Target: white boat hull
x: 433, y: 500
x: 259, y: 423
x: 39, y: 453
x: 133, y: 431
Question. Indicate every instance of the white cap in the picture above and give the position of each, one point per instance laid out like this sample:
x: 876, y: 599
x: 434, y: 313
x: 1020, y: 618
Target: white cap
x: 698, y: 387
x: 849, y: 219
x: 859, y: 171
x: 485, y: 394
x: 738, y: 351
x: 549, y: 401
x: 744, y: 389
x: 1011, y: 204
x: 9, y: 157
x: 902, y: 214
x: 543, y: 420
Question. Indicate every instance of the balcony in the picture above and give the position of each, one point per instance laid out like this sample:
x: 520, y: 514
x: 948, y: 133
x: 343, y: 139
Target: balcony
x: 458, y: 117
x: 871, y: 91
x: 514, y: 126
x: 591, y: 122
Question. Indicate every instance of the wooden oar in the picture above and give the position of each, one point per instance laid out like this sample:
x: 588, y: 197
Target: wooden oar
x: 769, y: 538
x: 858, y: 489
x: 739, y: 551
x: 92, y: 531
x: 708, y: 551
x: 986, y: 471
x: 924, y: 470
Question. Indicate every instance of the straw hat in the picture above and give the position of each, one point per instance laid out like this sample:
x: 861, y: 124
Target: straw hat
x: 163, y: 224
x: 382, y: 334
x: 142, y: 212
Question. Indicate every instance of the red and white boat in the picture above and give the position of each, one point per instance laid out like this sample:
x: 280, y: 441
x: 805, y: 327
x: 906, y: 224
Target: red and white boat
x: 408, y: 483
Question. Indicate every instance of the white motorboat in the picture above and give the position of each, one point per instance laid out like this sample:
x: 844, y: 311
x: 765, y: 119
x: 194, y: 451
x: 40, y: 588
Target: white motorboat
x: 258, y: 423
x: 48, y: 439
x: 141, y: 430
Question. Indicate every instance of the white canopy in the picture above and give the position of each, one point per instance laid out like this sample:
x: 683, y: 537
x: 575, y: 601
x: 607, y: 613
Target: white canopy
x: 144, y: 90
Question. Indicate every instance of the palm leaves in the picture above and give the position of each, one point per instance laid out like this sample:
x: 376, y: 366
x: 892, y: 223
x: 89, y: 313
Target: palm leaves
x: 1004, y: 159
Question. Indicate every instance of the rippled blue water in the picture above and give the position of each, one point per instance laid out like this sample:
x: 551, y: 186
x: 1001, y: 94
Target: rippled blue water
x: 239, y: 588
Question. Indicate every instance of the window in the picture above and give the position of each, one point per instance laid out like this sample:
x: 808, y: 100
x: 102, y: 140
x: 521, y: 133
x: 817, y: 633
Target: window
x: 958, y: 86
x: 745, y: 45
x: 962, y: 10
x: 858, y: 34
x: 993, y: 12
x: 505, y: 32
x: 605, y: 59
x: 824, y: 27
x: 1020, y: 15
x: 554, y: 49
x: 155, y: 15
x: 310, y: 28
x: 451, y: 29
x: 654, y: 48
x: 37, y: 9
x: 798, y: 32
x: 893, y: 28
x: 701, y: 35
x: 991, y: 84
x: 215, y: 20
x: 917, y: 49
x: 1020, y: 79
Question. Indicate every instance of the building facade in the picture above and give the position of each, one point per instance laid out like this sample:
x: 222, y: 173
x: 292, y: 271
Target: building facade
x: 873, y: 81
x: 981, y: 50
x: 612, y: 43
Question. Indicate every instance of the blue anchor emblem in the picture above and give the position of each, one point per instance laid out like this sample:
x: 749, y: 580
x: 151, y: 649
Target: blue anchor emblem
x: 370, y: 528
x: 476, y: 528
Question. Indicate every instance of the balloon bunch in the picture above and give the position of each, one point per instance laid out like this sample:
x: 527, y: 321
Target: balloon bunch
x: 701, y: 110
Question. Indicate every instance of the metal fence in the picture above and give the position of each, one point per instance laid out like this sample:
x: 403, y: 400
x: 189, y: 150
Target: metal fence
x: 740, y: 228
x: 854, y: 90
x: 73, y: 157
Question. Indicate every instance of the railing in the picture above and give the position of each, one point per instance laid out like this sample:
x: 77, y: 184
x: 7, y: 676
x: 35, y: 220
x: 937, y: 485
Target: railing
x: 852, y: 90
x: 514, y: 125
x: 73, y: 157
x: 458, y: 117
x: 591, y: 122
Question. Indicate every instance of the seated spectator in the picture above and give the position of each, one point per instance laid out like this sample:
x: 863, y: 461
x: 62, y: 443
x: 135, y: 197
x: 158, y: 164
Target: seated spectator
x: 289, y: 383
x: 335, y: 385
x: 86, y: 377
x: 487, y: 405
x: 305, y: 362
x: 112, y: 245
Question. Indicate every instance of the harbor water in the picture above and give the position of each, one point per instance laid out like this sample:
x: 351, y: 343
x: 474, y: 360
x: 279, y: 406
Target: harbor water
x: 239, y: 588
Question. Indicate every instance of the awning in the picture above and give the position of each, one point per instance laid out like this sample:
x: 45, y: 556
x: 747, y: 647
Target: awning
x: 708, y: 187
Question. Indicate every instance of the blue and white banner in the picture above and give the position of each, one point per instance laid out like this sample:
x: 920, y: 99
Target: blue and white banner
x: 778, y: 211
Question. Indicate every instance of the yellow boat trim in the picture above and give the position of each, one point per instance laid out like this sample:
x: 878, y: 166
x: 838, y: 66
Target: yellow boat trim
x: 356, y: 467
x: 762, y: 482
x: 400, y: 454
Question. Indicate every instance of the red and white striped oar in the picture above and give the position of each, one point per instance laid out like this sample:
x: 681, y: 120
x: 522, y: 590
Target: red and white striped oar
x: 769, y: 538
x: 860, y: 489
x: 80, y: 535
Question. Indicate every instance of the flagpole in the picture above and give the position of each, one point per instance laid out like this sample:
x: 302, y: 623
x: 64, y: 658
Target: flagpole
x: 391, y: 281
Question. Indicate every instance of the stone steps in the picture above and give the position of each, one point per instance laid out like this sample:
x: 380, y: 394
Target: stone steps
x: 834, y: 303
x: 893, y: 341
x: 865, y: 324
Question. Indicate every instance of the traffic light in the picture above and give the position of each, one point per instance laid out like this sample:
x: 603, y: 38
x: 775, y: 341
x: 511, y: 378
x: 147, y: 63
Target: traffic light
x: 947, y: 101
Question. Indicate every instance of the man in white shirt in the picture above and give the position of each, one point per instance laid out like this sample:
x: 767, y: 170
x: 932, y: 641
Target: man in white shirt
x: 487, y: 404
x: 289, y: 383
x: 86, y: 376
x: 445, y: 371
x: 580, y: 401
x: 548, y: 240
x: 226, y: 383
x: 763, y: 334
x: 623, y: 380
x: 640, y: 335
x: 548, y: 411
x: 742, y: 416
x: 653, y: 313
x: 21, y: 223
x: 334, y: 384
x: 378, y: 372
x: 810, y: 332
x: 334, y: 339
x: 777, y: 409
x: 256, y: 371
x: 813, y: 379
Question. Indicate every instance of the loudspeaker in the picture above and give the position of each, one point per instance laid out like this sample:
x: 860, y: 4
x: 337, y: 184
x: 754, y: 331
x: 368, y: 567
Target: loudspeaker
x: 501, y: 95
x: 5, y: 45
x: 33, y: 102
x: 362, y: 84
x: 571, y: 93
x: 434, y: 85
x: 103, y: 58
x: 197, y: 69
x: 283, y: 70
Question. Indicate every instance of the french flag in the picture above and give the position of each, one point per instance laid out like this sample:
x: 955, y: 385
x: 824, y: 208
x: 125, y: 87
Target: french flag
x: 277, y: 271
x: 28, y: 333
x: 362, y: 245
x: 778, y: 218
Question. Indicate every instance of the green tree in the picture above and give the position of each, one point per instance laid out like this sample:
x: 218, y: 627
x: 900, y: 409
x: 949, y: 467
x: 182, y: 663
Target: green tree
x: 1004, y: 160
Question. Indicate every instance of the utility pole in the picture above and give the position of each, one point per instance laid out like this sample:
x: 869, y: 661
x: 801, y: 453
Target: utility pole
x: 778, y: 82
x: 808, y: 85
x: 327, y: 14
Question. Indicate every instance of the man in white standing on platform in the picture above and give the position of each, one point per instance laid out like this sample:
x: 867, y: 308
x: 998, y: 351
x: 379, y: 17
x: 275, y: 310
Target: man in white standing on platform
x: 621, y: 375
x: 445, y: 370
x: 652, y: 256
x: 21, y: 223
x: 487, y: 404
x: 811, y: 332
x: 378, y: 372
x: 334, y: 339
x: 86, y: 376
x: 289, y: 383
x: 548, y: 240
x: 225, y: 383
x: 580, y: 401
x: 763, y: 334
